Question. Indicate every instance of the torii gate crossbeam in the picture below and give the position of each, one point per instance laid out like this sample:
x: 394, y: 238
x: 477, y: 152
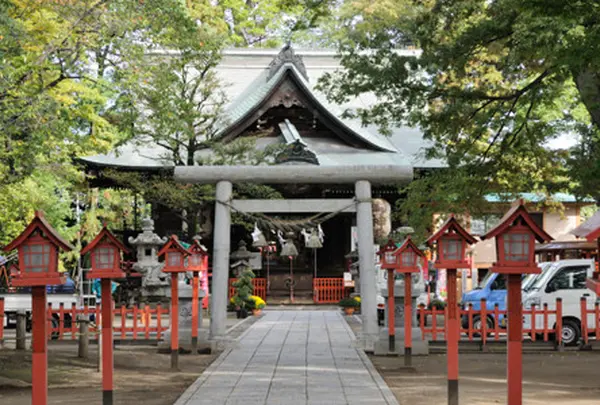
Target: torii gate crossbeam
x: 360, y: 176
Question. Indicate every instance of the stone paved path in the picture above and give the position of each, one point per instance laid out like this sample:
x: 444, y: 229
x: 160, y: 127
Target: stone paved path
x: 292, y: 358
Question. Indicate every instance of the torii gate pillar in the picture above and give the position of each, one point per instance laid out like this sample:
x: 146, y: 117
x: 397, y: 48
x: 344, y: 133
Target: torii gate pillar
x: 360, y: 176
x: 220, y: 273
x: 366, y: 263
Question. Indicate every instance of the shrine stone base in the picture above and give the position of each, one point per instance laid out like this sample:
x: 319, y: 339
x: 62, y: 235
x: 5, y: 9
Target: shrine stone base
x: 185, y: 318
x: 420, y: 346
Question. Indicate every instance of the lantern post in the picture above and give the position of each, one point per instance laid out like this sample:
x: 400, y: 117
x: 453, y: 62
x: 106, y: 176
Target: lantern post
x: 197, y: 262
x: 515, y: 253
x: 38, y: 247
x: 105, y: 254
x: 175, y: 255
x: 451, y: 241
x: 388, y: 262
x: 407, y: 257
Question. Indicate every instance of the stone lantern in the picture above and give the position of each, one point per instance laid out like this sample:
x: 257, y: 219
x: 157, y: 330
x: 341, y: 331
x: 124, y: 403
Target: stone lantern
x: 241, y: 258
x: 155, y: 285
x: 515, y: 253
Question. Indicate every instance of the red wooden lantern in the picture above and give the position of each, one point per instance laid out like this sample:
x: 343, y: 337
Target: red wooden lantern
x: 197, y: 261
x: 407, y: 257
x: 452, y: 241
x: 175, y: 255
x: 38, y: 246
x: 105, y: 253
x: 386, y: 255
x: 515, y: 242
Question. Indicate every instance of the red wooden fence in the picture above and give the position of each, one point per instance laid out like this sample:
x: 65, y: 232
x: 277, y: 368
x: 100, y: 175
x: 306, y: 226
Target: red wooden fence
x: 328, y: 290
x: 260, y: 287
x: 134, y: 323
x: 586, y: 330
x: 482, y: 333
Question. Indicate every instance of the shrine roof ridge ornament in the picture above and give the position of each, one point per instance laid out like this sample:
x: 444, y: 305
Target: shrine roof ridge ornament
x: 287, y: 55
x: 295, y: 174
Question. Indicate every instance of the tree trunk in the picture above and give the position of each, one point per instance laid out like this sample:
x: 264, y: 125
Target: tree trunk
x: 588, y: 84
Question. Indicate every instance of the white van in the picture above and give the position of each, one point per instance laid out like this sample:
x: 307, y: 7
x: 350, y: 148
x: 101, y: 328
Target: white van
x: 563, y: 279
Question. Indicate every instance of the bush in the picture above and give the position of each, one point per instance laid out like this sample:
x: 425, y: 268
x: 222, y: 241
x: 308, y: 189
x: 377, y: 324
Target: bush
x: 243, y: 289
x: 255, y: 302
x: 439, y: 304
x: 349, y: 303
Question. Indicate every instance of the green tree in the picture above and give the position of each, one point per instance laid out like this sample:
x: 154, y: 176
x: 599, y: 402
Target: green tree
x: 490, y: 85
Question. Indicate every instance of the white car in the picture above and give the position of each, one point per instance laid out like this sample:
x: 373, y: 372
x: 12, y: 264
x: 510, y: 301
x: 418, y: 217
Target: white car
x: 564, y: 279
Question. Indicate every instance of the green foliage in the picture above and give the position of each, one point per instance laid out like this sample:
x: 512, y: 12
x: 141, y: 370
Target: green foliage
x: 349, y: 303
x: 244, y: 289
x: 494, y: 83
x: 265, y: 23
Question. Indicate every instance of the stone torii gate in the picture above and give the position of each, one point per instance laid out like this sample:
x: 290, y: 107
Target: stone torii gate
x: 361, y: 175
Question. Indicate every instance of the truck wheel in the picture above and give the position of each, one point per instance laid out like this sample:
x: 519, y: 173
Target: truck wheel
x: 570, y: 332
x: 54, y: 322
x: 477, y: 325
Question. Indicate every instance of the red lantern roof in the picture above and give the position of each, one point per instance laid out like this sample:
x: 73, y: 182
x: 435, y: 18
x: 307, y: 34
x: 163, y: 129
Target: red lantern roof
x: 590, y: 229
x: 387, y: 259
x: 173, y: 250
x: 104, y: 234
x: 110, y: 260
x: 39, y: 223
x: 517, y: 211
x: 450, y: 225
x: 38, y: 247
x: 408, y: 245
x: 197, y: 248
x: 173, y: 244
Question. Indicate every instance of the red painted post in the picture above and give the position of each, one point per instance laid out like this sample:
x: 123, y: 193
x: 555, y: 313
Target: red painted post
x: 107, y: 343
x: 452, y: 333
x: 1, y: 321
x: 407, y: 320
x: 515, y: 341
x: 73, y: 321
x: 391, y: 309
x: 158, y: 322
x: 483, y: 318
x: 584, y: 327
x: 39, y: 358
x: 195, y: 298
x: 174, y: 322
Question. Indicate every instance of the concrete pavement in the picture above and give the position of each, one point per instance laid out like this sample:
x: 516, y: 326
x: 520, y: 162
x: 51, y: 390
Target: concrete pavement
x: 292, y: 358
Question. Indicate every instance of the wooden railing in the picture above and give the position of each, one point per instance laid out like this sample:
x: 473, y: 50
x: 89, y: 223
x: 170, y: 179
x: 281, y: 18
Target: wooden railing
x: 543, y: 330
x: 130, y: 323
x: 586, y: 330
x: 328, y: 290
x: 260, y: 287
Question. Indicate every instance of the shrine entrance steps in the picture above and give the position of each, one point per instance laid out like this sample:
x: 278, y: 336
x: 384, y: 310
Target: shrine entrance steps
x: 292, y: 358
